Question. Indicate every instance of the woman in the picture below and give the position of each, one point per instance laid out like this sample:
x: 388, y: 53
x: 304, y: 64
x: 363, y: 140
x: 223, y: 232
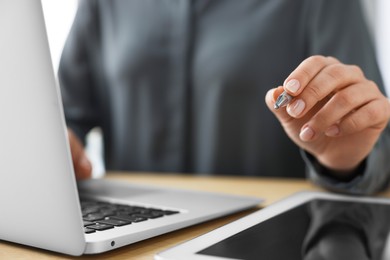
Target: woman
x: 177, y: 86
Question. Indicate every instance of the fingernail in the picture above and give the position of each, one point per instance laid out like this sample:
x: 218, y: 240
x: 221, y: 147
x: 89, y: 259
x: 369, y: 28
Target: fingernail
x: 306, y: 134
x: 293, y: 85
x: 296, y: 108
x: 334, y: 130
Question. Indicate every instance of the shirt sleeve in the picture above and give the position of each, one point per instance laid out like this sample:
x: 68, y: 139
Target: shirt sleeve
x: 338, y: 29
x: 77, y: 71
x: 372, y: 177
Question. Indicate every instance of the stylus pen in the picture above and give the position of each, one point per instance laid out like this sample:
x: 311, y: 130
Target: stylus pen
x: 282, y: 100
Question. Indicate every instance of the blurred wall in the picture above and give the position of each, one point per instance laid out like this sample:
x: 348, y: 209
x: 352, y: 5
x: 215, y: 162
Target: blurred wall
x: 376, y: 12
x: 59, y: 16
x: 382, y: 37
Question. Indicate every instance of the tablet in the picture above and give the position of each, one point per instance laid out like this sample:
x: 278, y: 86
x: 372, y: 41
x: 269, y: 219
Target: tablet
x: 306, y: 225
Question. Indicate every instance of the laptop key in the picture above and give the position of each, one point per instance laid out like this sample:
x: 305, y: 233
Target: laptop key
x: 89, y: 230
x: 107, y: 213
x: 89, y: 210
x: 129, y: 218
x: 115, y: 222
x: 148, y: 215
x: 87, y: 223
x: 127, y: 211
x: 94, y: 217
x: 100, y: 226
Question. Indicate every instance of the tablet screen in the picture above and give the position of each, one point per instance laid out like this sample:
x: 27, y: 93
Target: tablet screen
x: 319, y: 229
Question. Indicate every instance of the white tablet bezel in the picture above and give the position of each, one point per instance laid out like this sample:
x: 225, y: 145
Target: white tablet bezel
x: 188, y: 250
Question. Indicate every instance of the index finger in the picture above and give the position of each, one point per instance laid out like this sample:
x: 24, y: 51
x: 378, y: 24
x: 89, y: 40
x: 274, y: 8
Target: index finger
x: 305, y: 72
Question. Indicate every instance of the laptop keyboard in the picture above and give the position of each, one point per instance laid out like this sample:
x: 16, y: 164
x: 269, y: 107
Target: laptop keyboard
x: 99, y: 216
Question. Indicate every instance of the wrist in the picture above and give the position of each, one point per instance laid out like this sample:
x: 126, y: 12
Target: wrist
x: 344, y: 175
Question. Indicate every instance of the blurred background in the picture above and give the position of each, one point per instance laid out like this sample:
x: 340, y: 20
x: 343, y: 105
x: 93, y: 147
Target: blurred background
x: 59, y: 17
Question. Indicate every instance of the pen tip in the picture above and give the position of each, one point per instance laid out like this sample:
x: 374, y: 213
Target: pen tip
x: 282, y: 100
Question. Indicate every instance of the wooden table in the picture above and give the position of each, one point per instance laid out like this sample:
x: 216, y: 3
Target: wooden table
x: 269, y: 188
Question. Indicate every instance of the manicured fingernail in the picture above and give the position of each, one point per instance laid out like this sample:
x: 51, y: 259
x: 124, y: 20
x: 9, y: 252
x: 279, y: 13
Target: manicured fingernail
x: 306, y: 134
x: 295, y: 109
x: 293, y: 85
x: 334, y: 130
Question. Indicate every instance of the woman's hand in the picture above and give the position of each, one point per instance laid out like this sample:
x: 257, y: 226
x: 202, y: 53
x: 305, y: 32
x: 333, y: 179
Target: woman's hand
x: 336, y: 114
x: 82, y: 165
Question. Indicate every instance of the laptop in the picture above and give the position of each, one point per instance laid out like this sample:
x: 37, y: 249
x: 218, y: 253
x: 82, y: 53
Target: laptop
x: 41, y: 203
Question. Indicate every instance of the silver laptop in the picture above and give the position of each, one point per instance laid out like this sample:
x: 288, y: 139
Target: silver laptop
x: 39, y: 197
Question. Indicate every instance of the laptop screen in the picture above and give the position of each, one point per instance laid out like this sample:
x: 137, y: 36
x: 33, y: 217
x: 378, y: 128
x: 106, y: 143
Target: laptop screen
x: 319, y: 229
